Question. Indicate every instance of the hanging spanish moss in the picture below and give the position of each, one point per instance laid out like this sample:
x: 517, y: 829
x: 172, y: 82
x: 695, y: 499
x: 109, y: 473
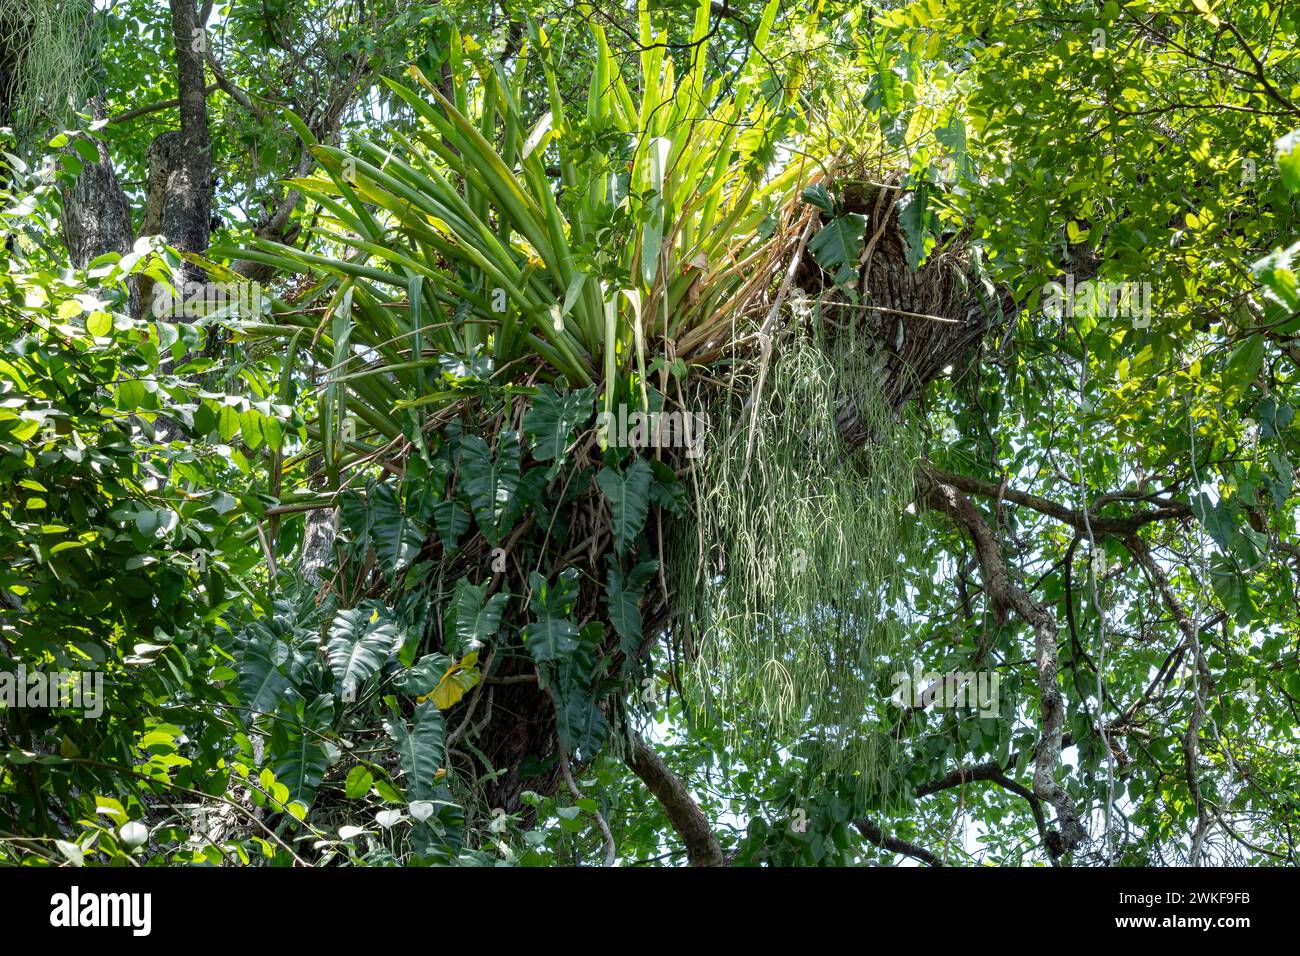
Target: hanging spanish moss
x: 789, y: 582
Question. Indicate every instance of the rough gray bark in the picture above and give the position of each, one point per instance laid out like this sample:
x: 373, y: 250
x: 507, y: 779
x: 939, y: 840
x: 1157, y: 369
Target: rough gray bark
x: 96, y: 214
x: 187, y: 206
x: 318, y: 536
x: 160, y: 158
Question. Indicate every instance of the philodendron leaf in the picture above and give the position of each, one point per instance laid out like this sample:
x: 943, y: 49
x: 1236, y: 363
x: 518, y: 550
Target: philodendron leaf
x: 838, y: 244
x: 451, y: 518
x: 396, y: 537
x: 628, y: 492
x: 817, y: 195
x: 420, y: 679
x: 553, y: 636
x: 360, y: 641
x: 623, y: 597
x: 581, y: 725
x: 532, y: 487
x: 490, y: 482
x: 455, y: 683
x: 477, y: 620
x: 355, y: 520
x: 556, y: 598
x: 578, y: 668
x: 419, y: 749
x: 914, y: 217
x: 261, y: 683
x: 667, y: 492
x: 298, y: 746
x: 553, y: 417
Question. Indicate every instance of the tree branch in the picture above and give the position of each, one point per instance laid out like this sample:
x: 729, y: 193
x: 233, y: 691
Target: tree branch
x: 990, y: 772
x: 1003, y: 592
x: 611, y: 851
x: 1075, y: 519
x: 873, y: 834
x: 1202, y: 685
x: 231, y: 90
x: 702, y: 848
x: 148, y: 108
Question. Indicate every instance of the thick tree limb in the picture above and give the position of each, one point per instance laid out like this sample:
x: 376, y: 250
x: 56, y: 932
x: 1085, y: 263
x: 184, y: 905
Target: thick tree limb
x: 96, y: 215
x: 873, y: 834
x: 230, y: 89
x: 1100, y: 524
x: 990, y: 772
x: 187, y: 207
x: 702, y: 848
x: 978, y: 773
x: 1035, y: 804
x: 1004, y: 593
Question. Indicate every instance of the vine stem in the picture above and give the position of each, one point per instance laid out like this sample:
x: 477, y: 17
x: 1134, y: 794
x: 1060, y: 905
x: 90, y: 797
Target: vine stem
x: 605, y: 833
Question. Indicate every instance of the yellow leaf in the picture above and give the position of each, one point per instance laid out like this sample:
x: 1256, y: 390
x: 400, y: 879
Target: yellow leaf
x: 456, y: 682
x: 453, y: 687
